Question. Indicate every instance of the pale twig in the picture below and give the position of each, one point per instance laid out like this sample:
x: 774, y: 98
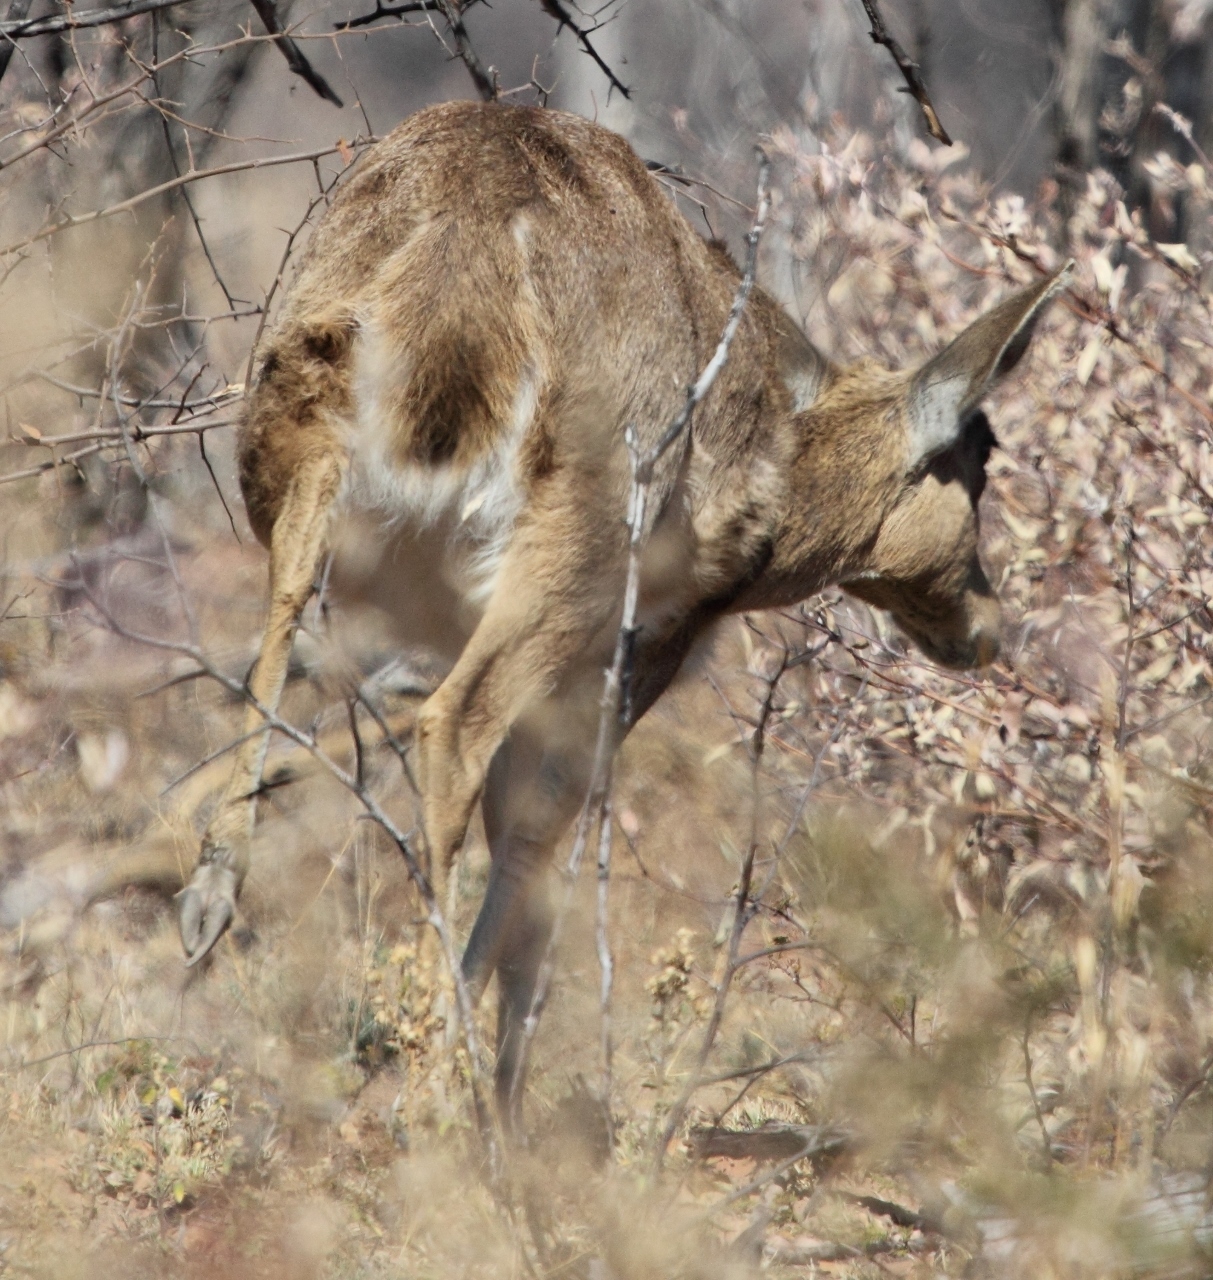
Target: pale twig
x: 434, y: 914
x: 1183, y: 126
x: 88, y: 1044
x: 606, y: 964
x: 617, y: 677
x: 133, y: 202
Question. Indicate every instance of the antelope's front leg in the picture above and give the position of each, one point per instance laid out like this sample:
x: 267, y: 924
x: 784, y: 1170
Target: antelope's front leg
x: 206, y: 905
x: 556, y: 590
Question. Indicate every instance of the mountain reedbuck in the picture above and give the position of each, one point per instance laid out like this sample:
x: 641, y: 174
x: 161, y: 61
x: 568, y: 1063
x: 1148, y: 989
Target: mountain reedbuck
x: 495, y: 295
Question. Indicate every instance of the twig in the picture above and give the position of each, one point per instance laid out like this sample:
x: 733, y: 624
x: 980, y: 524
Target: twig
x: 485, y: 81
x: 18, y: 27
x: 291, y: 237
x: 606, y: 963
x: 909, y: 70
x: 295, y: 58
x: 88, y: 1044
x: 113, y: 435
x: 388, y: 11
x: 434, y: 914
x: 133, y: 202
x: 185, y: 195
x: 615, y: 686
x: 1198, y: 1082
x: 76, y: 125
x: 18, y: 10
x: 117, y: 352
x: 565, y: 19
x: 810, y: 1148
x: 1027, y: 1075
x: 769, y: 1142
x: 207, y: 759
x: 351, y: 707
x: 1181, y: 124
x: 206, y: 462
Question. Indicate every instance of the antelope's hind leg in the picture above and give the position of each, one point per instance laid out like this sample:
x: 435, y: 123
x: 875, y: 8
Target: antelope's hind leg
x: 206, y: 905
x: 535, y: 786
x: 537, y: 782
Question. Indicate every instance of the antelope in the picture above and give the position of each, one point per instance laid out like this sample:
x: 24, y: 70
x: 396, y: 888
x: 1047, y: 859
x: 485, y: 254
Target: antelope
x: 496, y: 294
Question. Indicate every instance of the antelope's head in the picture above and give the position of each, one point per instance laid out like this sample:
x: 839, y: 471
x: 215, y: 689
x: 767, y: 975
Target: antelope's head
x: 922, y: 565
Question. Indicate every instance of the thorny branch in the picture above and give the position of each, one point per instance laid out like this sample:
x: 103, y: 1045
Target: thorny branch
x: 566, y: 19
x: 390, y: 11
x: 484, y: 80
x: 294, y: 56
x: 909, y: 69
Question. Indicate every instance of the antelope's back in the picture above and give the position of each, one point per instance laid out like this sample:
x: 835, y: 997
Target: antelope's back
x: 494, y: 294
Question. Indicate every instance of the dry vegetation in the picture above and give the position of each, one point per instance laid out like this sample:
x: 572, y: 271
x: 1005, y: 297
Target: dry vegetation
x: 967, y: 1027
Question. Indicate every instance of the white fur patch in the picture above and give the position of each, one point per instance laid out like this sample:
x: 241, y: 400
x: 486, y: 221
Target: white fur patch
x: 484, y: 498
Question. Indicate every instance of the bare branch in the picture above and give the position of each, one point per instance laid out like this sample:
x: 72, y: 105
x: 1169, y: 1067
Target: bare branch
x: 17, y: 12
x: 565, y: 19
x: 743, y: 910
x: 294, y: 56
x: 909, y: 69
x: 133, y: 202
x: 17, y: 27
x: 389, y: 11
x: 606, y: 963
x: 1181, y: 124
x: 89, y: 1044
x: 484, y: 80
x: 401, y: 839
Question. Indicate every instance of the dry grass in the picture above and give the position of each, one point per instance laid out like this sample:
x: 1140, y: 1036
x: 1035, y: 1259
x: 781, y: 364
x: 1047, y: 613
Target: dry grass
x: 982, y: 950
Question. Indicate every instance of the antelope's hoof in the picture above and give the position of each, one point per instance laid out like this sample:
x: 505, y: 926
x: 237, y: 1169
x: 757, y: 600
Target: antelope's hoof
x: 205, y: 908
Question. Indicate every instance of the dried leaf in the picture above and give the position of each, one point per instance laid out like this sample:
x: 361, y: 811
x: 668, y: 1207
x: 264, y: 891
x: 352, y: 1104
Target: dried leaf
x: 1089, y: 357
x: 1181, y: 256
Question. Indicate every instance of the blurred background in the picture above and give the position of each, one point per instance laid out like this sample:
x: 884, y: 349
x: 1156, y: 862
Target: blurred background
x: 969, y: 1026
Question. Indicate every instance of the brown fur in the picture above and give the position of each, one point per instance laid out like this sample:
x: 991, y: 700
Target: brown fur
x: 495, y: 294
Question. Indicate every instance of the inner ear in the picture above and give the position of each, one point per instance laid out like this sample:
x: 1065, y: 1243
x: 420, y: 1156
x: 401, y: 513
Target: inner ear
x: 950, y: 386
x: 980, y: 435
x: 803, y: 369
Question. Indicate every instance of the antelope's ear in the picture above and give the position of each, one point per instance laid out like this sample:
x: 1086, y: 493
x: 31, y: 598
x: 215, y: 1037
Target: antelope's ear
x: 949, y: 387
x: 804, y: 370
